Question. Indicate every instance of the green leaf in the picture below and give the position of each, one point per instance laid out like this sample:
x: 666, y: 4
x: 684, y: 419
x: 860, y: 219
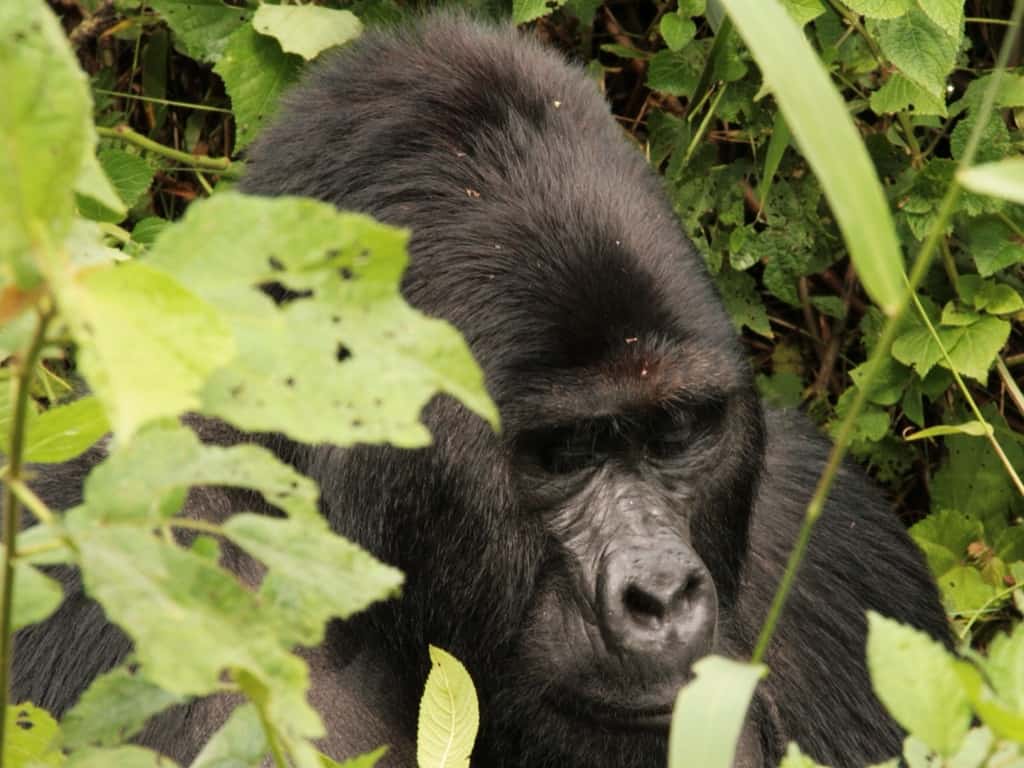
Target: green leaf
x: 880, y: 9
x: 922, y: 50
x: 916, y: 680
x: 900, y: 93
x: 971, y: 341
x: 304, y: 366
x: 994, y: 712
x: 888, y: 383
x: 449, y: 715
x: 131, y: 176
x: 95, y: 195
x: 528, y: 10
x: 1004, y: 667
x: 1003, y: 179
x: 307, y: 29
x: 989, y: 295
x: 944, y: 537
x: 146, y: 343
x: 191, y: 621
x: 804, y: 11
x: 122, y: 757
x: 965, y: 591
x: 973, y: 428
x: 710, y: 711
x: 114, y: 708
x: 45, y: 131
x: 255, y: 71
x: 974, y: 481
x: 826, y: 135
x: 65, y: 431
x: 993, y: 245
x: 947, y: 14
x: 313, y: 575
x: 33, y: 738
x: 144, y: 481
x: 368, y: 760
x: 742, y: 301
x: 794, y: 758
x: 36, y: 596
x: 202, y: 28
x: 673, y: 72
x: 240, y: 743
x: 677, y: 31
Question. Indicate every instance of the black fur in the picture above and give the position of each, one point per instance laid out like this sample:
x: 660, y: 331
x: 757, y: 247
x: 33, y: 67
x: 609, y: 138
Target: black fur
x: 543, y: 236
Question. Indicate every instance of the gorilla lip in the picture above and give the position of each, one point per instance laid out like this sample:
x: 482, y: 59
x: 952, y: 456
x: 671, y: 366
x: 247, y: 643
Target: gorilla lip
x: 655, y: 717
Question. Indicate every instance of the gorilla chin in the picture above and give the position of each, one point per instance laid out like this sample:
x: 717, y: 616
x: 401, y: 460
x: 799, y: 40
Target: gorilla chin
x: 638, y: 507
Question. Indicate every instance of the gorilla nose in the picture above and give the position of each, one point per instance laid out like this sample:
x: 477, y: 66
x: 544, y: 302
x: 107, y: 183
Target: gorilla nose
x: 657, y: 604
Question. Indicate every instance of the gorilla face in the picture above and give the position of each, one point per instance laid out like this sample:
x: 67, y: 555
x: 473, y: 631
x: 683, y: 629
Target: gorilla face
x: 577, y: 562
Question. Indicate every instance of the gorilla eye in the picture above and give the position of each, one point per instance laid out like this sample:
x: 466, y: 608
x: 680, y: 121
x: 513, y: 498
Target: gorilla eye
x: 566, y: 450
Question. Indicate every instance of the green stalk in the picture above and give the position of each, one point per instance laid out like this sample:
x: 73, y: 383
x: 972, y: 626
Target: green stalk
x: 220, y: 165
x: 21, y: 381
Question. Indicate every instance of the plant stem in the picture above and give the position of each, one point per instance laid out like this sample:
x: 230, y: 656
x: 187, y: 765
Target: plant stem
x: 220, y: 165
x: 21, y: 380
x: 882, y: 347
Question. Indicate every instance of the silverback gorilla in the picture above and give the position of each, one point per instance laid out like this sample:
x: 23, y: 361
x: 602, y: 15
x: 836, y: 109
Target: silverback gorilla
x: 637, y: 509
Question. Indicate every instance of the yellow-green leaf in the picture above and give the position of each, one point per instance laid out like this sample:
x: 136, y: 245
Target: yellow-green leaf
x: 449, y: 715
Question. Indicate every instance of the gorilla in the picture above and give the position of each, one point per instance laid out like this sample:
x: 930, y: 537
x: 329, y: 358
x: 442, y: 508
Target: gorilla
x: 636, y: 511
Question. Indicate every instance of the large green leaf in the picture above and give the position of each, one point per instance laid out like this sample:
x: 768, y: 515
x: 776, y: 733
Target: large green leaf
x: 449, y: 715
x: 255, y: 71
x: 345, y: 361
x: 922, y: 50
x: 202, y: 28
x: 147, y: 344
x: 826, y: 135
x: 710, y: 711
x: 917, y: 681
x: 45, y: 132
x: 306, y: 29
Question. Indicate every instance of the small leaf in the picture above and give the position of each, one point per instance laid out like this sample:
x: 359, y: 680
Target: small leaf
x: 131, y: 177
x: 900, y: 93
x: 449, y: 715
x: 307, y: 29
x: 65, y: 431
x: 916, y: 680
x: 36, y: 595
x: 880, y: 9
x: 1003, y: 179
x: 202, y: 28
x: 794, y: 758
x: 240, y: 743
x: 710, y: 711
x: 922, y: 50
x: 974, y: 428
x: 528, y: 10
x: 677, y: 31
x: 33, y: 738
x: 114, y: 708
x: 804, y: 11
x: 367, y: 760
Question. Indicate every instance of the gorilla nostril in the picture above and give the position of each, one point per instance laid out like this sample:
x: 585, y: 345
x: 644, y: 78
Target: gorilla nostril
x: 643, y: 607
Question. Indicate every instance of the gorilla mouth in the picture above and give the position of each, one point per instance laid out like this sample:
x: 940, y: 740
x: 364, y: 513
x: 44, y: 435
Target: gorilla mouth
x: 655, y: 717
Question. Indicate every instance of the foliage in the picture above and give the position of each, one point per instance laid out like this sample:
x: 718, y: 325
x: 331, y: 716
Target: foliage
x: 817, y: 161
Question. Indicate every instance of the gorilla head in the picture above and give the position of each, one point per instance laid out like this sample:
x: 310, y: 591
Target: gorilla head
x: 579, y: 561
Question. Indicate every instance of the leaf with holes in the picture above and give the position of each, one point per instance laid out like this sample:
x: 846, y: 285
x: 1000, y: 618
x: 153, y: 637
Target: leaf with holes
x: 342, y: 358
